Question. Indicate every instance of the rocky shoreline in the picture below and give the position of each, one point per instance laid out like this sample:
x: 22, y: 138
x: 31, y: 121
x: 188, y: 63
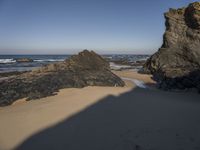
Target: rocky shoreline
x: 85, y: 69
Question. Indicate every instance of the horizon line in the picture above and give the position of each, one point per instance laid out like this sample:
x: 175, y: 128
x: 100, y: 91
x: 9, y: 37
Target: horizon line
x: 78, y: 52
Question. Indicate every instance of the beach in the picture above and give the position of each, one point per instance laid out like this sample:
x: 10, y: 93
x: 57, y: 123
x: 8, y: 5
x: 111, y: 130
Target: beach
x: 93, y: 75
x: 29, y: 117
x: 127, y: 117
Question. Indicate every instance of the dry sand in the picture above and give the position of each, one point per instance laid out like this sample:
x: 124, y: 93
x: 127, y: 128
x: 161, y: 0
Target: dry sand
x: 24, y: 118
x: 108, y: 118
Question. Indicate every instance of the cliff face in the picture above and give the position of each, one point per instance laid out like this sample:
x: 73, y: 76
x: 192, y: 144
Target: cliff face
x: 177, y: 62
x: 85, y: 69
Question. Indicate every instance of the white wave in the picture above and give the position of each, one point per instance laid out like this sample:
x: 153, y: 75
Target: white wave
x: 117, y: 67
x: 48, y: 60
x: 6, y: 61
x: 141, y: 59
x: 138, y: 83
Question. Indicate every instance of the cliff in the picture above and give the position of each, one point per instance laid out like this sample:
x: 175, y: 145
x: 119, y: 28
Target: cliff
x: 176, y: 65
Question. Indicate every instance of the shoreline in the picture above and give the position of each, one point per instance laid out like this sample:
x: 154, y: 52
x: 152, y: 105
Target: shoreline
x: 131, y: 78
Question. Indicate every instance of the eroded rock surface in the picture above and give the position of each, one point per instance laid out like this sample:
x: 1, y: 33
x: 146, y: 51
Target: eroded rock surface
x: 85, y: 69
x: 177, y: 62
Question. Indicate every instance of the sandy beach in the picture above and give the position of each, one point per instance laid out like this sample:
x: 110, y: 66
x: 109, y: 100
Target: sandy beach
x: 99, y: 75
x: 104, y: 118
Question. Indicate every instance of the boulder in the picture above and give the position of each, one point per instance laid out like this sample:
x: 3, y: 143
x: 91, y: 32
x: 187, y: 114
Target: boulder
x: 176, y: 65
x: 85, y: 69
x: 23, y: 60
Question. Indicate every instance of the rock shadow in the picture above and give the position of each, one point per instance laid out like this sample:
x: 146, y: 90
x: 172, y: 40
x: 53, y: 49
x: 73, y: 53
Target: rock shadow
x: 141, y: 119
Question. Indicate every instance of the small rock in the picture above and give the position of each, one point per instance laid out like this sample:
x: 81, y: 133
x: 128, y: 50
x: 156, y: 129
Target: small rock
x: 23, y: 60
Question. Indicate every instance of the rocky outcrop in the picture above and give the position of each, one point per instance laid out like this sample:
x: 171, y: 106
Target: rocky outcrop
x: 23, y: 60
x: 177, y: 63
x: 85, y: 69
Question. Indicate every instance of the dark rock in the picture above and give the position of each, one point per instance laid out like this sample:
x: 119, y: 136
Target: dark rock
x: 122, y: 62
x: 23, y: 60
x: 85, y: 69
x: 12, y: 73
x: 129, y: 63
x: 176, y: 65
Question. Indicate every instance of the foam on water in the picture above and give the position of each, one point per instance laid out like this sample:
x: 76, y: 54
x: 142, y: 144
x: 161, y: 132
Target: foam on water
x: 6, y: 61
x: 138, y: 83
x: 116, y: 67
x: 48, y: 60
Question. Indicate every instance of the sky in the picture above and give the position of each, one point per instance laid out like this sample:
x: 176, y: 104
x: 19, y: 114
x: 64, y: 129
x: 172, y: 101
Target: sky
x: 68, y: 26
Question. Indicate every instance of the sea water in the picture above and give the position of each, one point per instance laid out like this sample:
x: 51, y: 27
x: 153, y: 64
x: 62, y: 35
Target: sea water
x: 8, y: 62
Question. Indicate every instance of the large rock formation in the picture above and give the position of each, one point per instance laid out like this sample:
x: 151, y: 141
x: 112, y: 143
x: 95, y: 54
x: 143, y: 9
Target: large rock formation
x: 85, y: 69
x: 177, y: 63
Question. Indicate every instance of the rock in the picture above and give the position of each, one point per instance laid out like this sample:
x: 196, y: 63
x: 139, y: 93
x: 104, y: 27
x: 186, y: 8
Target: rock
x: 122, y: 61
x: 23, y: 60
x: 176, y: 65
x: 85, y: 69
x: 129, y: 63
x: 12, y: 73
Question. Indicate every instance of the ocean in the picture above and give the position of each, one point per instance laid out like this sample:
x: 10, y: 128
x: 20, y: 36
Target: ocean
x: 8, y: 62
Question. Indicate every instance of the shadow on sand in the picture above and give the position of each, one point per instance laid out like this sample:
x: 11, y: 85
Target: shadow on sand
x: 141, y: 119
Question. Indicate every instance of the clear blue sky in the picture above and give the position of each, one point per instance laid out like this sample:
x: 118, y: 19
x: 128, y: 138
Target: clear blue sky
x: 66, y: 26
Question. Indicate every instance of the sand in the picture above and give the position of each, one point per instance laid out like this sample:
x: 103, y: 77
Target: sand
x: 133, y: 74
x: 120, y: 118
x: 25, y: 118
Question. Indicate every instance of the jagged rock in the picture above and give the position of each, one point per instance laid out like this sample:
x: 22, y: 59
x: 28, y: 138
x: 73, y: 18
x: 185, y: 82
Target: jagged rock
x: 85, y: 69
x: 177, y: 63
x: 23, y: 60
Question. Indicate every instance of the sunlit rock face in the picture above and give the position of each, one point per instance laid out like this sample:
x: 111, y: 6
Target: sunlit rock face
x: 177, y: 62
x: 85, y: 69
